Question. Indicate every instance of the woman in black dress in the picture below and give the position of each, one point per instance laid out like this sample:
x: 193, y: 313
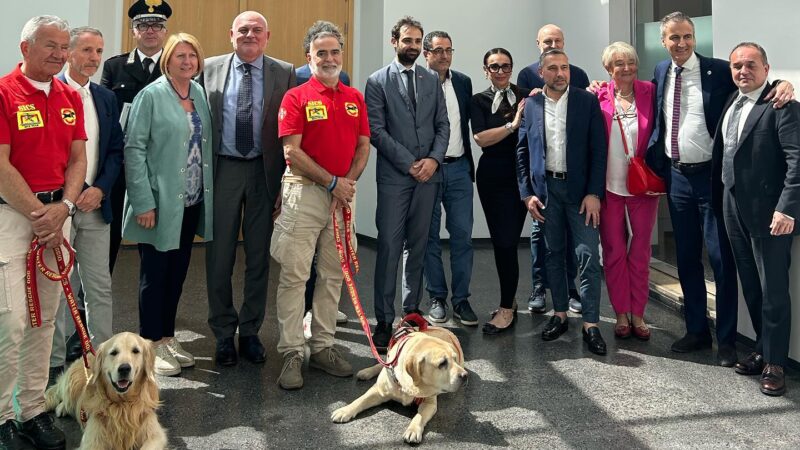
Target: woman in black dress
x: 496, y: 114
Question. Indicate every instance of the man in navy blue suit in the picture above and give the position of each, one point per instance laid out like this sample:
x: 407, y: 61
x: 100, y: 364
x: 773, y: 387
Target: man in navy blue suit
x: 456, y: 191
x: 691, y: 92
x: 91, y: 232
x: 561, y: 180
x: 549, y: 37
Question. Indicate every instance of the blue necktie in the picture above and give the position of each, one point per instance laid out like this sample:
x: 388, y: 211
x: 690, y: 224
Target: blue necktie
x: 244, y: 112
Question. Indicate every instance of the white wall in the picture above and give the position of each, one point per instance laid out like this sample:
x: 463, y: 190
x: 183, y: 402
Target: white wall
x: 735, y: 21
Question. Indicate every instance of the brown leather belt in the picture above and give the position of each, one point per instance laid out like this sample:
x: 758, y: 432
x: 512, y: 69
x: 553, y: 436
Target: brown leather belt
x: 45, y: 196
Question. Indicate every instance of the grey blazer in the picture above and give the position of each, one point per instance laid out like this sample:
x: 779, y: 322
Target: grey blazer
x: 399, y: 133
x: 279, y: 77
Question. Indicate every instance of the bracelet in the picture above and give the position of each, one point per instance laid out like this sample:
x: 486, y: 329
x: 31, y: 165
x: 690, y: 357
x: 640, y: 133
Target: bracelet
x: 332, y: 186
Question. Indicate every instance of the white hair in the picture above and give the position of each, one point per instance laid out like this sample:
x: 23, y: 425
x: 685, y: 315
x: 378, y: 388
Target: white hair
x: 32, y: 27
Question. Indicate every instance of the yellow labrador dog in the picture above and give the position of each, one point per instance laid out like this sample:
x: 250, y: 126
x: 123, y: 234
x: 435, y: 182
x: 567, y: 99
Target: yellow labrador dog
x: 430, y: 363
x: 119, y: 402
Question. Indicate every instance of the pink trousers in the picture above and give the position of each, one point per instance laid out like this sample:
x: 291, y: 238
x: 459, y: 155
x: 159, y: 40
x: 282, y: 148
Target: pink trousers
x: 627, y: 271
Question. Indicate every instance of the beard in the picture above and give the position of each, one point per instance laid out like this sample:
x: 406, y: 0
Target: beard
x: 407, y: 56
x: 325, y: 72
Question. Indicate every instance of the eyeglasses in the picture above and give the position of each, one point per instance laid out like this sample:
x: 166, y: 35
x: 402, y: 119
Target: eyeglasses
x: 142, y: 27
x: 440, y: 51
x: 494, y: 68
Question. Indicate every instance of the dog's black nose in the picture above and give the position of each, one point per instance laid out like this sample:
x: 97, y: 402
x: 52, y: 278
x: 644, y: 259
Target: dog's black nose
x: 124, y: 369
x: 464, y: 376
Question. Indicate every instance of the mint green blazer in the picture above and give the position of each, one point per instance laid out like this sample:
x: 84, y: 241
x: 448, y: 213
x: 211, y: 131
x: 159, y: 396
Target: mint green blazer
x: 156, y: 150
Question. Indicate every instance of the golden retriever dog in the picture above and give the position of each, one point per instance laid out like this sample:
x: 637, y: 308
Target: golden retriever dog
x: 430, y: 363
x: 119, y: 401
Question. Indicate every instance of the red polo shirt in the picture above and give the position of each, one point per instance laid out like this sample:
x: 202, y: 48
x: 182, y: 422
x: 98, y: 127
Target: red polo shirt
x: 330, y: 121
x: 40, y: 128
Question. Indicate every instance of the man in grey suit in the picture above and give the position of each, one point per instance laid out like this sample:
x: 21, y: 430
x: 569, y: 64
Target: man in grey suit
x: 244, y: 90
x: 410, y: 130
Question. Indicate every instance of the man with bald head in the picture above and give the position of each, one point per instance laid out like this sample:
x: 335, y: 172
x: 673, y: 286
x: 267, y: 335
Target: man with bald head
x: 244, y: 90
x: 549, y: 37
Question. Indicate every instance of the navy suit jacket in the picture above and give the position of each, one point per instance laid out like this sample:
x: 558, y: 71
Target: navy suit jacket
x: 109, y: 144
x: 717, y: 85
x: 529, y: 78
x: 462, y: 84
x: 587, y: 147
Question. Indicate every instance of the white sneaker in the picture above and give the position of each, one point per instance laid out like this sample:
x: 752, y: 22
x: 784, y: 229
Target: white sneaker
x: 341, y: 318
x: 307, y: 325
x: 184, y: 358
x: 166, y: 364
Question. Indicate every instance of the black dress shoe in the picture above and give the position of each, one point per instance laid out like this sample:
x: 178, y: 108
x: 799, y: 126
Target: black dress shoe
x: 226, y: 352
x: 596, y: 343
x: 382, y: 335
x: 772, y: 380
x: 726, y: 356
x: 554, y: 328
x: 74, y: 349
x: 42, y: 433
x: 10, y: 438
x: 251, y: 349
x: 752, y: 365
x: 691, y: 342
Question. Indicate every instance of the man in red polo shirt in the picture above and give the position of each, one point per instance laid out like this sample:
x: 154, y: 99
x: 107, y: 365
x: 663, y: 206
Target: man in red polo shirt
x: 325, y: 134
x: 42, y: 169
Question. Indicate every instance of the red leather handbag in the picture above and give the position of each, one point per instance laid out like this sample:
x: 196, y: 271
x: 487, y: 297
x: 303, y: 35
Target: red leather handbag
x: 641, y: 179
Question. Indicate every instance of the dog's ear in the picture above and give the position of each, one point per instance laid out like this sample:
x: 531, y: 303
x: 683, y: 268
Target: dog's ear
x: 413, y: 367
x: 149, y: 357
x: 97, y: 367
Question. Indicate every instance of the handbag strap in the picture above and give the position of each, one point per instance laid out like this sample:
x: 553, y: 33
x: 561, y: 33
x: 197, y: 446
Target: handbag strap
x: 619, y: 122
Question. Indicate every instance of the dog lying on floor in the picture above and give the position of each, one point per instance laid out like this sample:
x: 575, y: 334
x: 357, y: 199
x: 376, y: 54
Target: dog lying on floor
x: 430, y: 363
x: 119, y: 403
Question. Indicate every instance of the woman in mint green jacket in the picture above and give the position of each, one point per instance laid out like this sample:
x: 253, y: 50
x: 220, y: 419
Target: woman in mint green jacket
x: 170, y: 191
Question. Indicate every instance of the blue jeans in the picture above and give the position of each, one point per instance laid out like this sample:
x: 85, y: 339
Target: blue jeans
x: 561, y: 214
x: 455, y: 193
x: 538, y: 255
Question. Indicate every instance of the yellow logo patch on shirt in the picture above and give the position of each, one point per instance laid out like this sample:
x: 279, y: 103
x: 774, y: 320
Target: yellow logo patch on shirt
x: 316, y: 110
x: 351, y: 109
x: 68, y: 116
x: 29, y: 119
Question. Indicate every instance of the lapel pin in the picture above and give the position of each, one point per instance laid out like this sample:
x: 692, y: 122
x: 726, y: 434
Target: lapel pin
x: 708, y: 73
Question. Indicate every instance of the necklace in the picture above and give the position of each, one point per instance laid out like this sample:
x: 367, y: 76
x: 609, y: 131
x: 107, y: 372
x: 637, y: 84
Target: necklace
x: 625, y: 96
x: 178, y: 93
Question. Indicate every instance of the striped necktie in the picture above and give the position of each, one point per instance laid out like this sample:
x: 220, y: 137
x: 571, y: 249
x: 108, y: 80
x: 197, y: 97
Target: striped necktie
x: 676, y: 114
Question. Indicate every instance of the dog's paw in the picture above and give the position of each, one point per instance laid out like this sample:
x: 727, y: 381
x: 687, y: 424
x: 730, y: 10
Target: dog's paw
x: 364, y: 374
x: 342, y: 415
x: 413, y: 434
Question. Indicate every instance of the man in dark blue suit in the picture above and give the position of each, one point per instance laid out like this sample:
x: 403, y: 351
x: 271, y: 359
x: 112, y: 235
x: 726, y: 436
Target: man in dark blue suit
x: 456, y: 191
x: 561, y: 170
x: 91, y: 232
x: 549, y: 37
x: 691, y: 92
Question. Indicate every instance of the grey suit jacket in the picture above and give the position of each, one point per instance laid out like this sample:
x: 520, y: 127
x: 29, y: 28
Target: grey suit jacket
x: 279, y: 77
x: 399, y: 133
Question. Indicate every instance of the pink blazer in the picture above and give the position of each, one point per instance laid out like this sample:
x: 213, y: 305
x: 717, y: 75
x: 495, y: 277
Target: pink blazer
x: 645, y: 93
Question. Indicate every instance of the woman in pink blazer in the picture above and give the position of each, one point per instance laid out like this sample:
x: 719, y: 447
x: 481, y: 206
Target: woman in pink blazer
x: 627, y: 105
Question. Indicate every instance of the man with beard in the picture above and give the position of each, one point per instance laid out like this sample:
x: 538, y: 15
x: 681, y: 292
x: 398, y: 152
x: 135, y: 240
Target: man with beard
x: 318, y: 186
x: 244, y: 90
x: 410, y: 130
x: 561, y: 180
x: 91, y: 233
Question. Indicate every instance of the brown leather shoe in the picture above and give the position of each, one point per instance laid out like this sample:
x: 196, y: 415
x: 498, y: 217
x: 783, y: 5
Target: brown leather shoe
x: 772, y: 382
x: 752, y: 365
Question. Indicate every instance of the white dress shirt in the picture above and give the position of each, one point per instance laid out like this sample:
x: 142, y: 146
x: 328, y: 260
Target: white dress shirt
x: 618, y: 161
x: 752, y: 97
x: 694, y: 142
x: 555, y: 132
x: 455, y: 147
x: 91, y: 124
x: 155, y: 58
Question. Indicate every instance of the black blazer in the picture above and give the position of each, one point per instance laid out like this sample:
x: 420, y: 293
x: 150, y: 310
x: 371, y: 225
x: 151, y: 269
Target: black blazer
x: 125, y: 77
x: 587, y: 147
x: 109, y: 144
x: 717, y: 85
x: 766, y: 165
x: 462, y: 84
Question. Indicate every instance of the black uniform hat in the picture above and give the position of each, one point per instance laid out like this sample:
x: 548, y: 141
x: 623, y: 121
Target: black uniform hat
x: 150, y: 11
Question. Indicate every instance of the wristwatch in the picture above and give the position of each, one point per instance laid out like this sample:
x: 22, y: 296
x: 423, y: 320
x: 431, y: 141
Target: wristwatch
x: 70, y: 206
x: 510, y: 127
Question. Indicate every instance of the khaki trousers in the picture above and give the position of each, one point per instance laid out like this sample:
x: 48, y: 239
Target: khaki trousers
x: 304, y: 226
x: 24, y: 351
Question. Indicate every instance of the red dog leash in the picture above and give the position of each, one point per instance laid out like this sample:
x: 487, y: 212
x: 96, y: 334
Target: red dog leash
x: 35, y: 261
x: 347, y: 257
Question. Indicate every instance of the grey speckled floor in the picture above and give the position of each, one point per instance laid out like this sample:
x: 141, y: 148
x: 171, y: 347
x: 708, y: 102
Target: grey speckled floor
x: 522, y: 393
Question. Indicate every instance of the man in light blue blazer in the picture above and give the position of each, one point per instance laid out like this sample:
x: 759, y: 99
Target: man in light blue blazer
x: 409, y: 127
